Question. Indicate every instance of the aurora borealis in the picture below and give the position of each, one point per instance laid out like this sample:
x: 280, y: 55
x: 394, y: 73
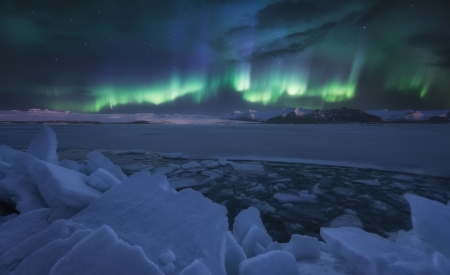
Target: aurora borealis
x: 212, y: 57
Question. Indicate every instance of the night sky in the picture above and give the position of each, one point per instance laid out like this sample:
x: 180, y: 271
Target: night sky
x: 216, y: 56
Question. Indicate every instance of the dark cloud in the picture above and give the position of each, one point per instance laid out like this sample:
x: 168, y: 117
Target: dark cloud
x: 437, y: 43
x: 443, y: 56
x: 294, y: 43
x: 289, y: 12
x: 375, y: 11
x: 319, y: 31
x: 239, y: 29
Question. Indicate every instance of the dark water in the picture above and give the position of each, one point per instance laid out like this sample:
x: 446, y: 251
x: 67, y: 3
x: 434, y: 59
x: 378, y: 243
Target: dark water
x: 380, y: 208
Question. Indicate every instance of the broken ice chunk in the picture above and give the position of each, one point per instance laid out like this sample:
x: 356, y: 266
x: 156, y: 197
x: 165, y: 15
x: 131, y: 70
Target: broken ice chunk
x: 61, y: 186
x: 400, y: 185
x: 257, y: 188
x: 14, y: 256
x: 210, y: 164
x: 234, y: 255
x: 271, y: 263
x: 172, y: 155
x: 25, y: 225
x: 244, y: 221
x: 144, y: 210
x: 368, y: 253
x: 102, y: 180
x: 191, y: 165
x: 43, y: 259
x: 112, y: 256
x: 431, y: 219
x: 255, y: 235
x: 44, y: 145
x: 303, y: 247
x: 315, y: 190
x: 98, y: 160
x: 403, y: 178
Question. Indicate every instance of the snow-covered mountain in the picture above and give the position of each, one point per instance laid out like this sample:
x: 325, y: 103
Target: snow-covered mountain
x: 39, y: 116
x: 341, y: 115
x: 410, y: 115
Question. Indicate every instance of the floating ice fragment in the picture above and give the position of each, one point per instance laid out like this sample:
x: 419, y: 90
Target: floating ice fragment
x: 403, y: 178
x: 374, y: 182
x: 191, y: 165
x: 400, y: 185
x: 172, y: 155
x: 343, y: 191
x: 258, y: 188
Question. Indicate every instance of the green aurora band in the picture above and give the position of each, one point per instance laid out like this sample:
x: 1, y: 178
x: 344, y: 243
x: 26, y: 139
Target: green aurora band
x: 263, y: 85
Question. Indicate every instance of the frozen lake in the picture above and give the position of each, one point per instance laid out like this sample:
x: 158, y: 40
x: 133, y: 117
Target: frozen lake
x: 413, y: 148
